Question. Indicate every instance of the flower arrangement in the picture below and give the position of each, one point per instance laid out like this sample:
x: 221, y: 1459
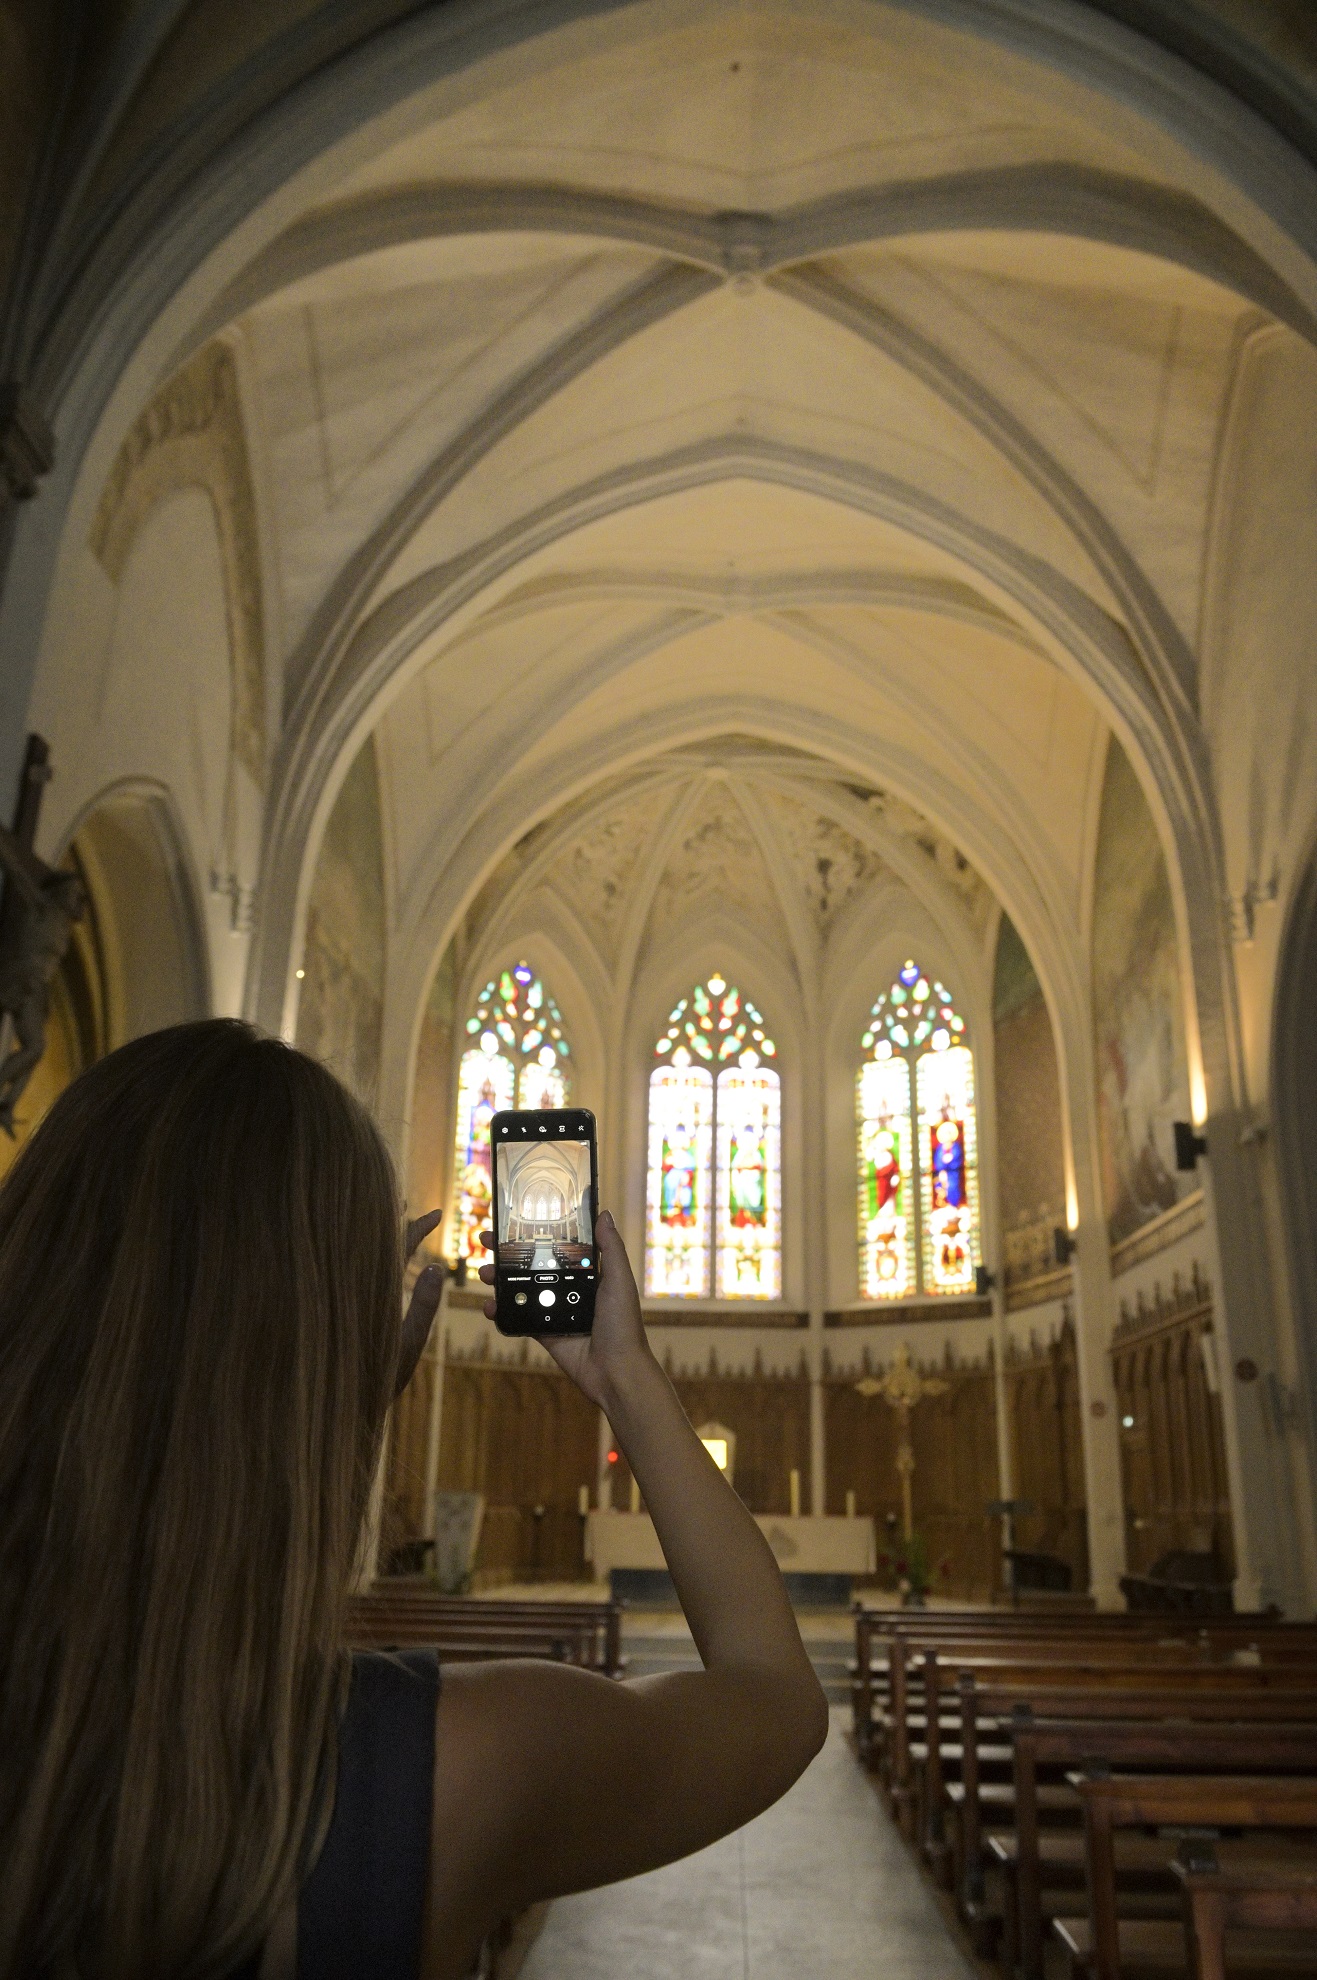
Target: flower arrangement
x: 907, y: 1561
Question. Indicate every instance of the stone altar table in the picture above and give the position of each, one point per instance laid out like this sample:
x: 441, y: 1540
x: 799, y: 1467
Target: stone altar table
x: 830, y: 1544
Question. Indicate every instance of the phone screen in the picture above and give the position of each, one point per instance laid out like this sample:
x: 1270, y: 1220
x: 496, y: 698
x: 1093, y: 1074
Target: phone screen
x: 545, y: 1198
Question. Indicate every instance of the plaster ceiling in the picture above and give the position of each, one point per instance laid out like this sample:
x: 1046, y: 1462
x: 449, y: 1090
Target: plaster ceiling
x: 779, y: 370
x: 768, y: 846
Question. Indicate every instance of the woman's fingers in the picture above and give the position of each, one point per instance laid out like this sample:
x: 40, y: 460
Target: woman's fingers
x: 421, y: 1227
x: 418, y: 1320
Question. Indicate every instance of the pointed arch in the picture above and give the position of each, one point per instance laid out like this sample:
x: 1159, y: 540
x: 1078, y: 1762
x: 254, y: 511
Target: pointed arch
x: 714, y: 1195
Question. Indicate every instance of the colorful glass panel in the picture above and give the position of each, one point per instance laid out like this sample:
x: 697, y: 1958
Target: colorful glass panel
x: 887, y: 1225
x: 748, y: 1187
x: 541, y: 1084
x: 517, y: 1012
x: 486, y: 1082
x: 716, y: 1023
x: 518, y: 1057
x: 680, y: 1180
x: 918, y: 1068
x: 949, y: 1165
x: 714, y: 1223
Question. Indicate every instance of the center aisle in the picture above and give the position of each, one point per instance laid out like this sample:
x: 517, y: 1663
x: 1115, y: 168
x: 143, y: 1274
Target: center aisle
x: 819, y: 1885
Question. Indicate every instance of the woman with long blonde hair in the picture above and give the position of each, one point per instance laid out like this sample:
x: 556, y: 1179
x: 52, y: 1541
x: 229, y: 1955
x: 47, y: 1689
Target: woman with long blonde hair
x: 201, y: 1331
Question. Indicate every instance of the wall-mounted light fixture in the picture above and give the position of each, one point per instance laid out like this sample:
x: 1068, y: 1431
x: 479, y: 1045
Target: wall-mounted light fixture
x: 1189, y: 1144
x: 984, y: 1281
x: 1063, y: 1246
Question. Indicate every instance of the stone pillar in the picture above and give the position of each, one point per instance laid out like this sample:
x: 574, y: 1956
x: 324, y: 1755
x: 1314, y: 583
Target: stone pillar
x: 1094, y: 1315
x: 1257, y: 1404
x: 1103, y: 1494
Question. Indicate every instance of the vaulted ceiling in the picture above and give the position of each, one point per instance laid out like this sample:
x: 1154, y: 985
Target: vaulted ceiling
x: 823, y: 377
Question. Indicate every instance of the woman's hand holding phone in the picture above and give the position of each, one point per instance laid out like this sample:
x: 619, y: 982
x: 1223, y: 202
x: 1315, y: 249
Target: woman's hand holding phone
x: 602, y: 1362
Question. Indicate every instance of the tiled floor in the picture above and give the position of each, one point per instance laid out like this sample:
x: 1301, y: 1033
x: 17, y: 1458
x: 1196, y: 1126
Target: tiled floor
x: 819, y: 1888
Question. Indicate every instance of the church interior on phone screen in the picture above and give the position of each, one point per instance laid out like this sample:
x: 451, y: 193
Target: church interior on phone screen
x: 746, y: 567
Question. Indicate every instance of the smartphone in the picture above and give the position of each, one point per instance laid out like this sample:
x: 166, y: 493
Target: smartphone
x: 546, y: 1197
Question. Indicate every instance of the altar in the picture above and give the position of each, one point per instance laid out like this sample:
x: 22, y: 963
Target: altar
x: 803, y: 1543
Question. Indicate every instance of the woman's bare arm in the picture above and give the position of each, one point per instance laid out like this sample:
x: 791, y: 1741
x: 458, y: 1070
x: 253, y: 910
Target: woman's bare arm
x: 550, y: 1779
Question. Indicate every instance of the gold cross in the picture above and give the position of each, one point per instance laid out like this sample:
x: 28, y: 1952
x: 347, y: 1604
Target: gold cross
x: 902, y: 1387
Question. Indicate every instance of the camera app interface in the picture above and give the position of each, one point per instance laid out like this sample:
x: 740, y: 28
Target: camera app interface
x: 545, y: 1234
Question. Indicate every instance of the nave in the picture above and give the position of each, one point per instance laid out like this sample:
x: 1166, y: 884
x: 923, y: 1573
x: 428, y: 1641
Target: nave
x: 820, y: 1885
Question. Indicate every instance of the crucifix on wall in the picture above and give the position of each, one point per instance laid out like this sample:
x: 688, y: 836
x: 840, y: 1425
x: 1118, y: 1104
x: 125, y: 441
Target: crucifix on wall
x: 901, y: 1388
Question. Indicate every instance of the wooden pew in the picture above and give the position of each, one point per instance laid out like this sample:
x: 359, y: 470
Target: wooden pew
x: 1101, y: 1943
x: 1259, y: 1898
x: 410, y: 1594
x: 1000, y: 1705
x: 886, y: 1740
x: 459, y: 1639
x: 1155, y: 1729
x: 1083, y: 1669
x: 879, y: 1632
x: 419, y: 1612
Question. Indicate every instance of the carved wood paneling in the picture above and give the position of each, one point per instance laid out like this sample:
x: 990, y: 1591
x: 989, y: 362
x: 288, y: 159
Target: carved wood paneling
x: 517, y: 1431
x: 403, y: 1513
x: 1042, y: 1407
x: 1172, y: 1445
x: 769, y: 1414
x: 956, y: 1475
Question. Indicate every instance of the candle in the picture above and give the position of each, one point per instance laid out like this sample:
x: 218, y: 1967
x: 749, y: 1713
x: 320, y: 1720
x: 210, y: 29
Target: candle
x: 850, y: 1505
x: 583, y: 1500
x: 795, y: 1493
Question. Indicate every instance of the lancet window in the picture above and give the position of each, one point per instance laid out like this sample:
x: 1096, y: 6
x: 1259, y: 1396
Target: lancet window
x: 714, y: 1210
x: 918, y: 1144
x: 518, y: 1056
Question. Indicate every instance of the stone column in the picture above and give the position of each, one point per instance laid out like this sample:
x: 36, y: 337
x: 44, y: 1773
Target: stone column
x: 1093, y: 1311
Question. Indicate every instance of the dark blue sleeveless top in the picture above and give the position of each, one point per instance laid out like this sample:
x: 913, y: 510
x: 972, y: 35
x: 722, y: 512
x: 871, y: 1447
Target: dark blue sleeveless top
x: 361, y: 1909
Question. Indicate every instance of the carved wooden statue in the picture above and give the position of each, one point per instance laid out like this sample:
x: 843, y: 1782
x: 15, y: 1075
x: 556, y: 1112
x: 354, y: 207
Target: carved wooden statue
x: 42, y: 903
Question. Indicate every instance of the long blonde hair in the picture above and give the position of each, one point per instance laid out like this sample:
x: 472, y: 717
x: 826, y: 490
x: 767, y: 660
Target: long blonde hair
x: 200, y: 1299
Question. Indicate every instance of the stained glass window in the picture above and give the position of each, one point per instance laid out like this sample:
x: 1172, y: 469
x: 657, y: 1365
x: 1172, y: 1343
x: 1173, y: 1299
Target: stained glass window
x: 919, y: 1191
x: 519, y: 1056
x: 948, y: 1167
x: 680, y: 1132
x: 748, y: 1179
x: 715, y: 1167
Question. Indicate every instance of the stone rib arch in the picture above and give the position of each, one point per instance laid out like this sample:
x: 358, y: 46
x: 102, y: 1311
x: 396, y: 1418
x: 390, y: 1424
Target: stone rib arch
x: 338, y: 623
x: 134, y: 850
x: 1091, y: 646
x: 1078, y: 201
x: 1044, y: 920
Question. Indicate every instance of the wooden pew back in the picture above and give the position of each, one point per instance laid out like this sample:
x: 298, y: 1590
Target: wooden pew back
x: 1158, y: 1801
x: 1163, y: 1730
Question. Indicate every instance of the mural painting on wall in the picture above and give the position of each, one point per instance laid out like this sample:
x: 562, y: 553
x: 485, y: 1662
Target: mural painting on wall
x: 1030, y: 1158
x: 341, y: 1004
x: 1142, y: 1076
